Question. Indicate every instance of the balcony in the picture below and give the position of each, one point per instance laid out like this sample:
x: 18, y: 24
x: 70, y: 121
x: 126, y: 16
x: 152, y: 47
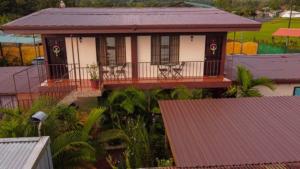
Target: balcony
x: 66, y: 82
x: 169, y: 75
x: 142, y: 74
x: 145, y: 75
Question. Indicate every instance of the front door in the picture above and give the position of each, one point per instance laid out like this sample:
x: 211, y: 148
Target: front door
x: 57, y: 57
x: 213, y: 52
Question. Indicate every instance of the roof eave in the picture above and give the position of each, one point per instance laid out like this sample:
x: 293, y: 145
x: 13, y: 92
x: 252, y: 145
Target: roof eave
x: 128, y: 29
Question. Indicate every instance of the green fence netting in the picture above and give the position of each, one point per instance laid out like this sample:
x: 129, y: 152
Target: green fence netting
x: 270, y: 49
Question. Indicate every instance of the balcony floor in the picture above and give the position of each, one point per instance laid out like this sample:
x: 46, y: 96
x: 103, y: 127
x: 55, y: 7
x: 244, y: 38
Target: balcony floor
x: 211, y: 82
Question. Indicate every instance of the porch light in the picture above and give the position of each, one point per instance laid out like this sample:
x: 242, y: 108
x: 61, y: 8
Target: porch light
x: 39, y: 117
x: 80, y: 39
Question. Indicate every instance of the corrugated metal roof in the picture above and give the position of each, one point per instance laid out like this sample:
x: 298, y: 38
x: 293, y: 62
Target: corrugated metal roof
x: 222, y: 132
x: 17, y: 153
x: 129, y: 20
x: 291, y: 32
x: 258, y: 166
x: 7, y: 84
x: 278, y: 67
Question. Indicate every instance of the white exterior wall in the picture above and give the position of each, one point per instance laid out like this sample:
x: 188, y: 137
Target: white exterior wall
x: 87, y: 54
x: 190, y: 49
x: 87, y: 51
x: 145, y: 69
x: 281, y: 90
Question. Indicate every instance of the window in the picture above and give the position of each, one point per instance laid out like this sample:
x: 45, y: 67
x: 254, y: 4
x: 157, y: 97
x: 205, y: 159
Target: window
x: 164, y: 49
x: 296, y: 91
x: 112, y: 50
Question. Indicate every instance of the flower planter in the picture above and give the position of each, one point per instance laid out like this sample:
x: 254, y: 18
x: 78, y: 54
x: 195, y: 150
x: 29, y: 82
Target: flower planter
x: 94, y: 84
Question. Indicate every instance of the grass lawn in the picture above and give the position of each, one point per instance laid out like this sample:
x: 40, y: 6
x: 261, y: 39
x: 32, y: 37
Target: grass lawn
x: 268, y: 28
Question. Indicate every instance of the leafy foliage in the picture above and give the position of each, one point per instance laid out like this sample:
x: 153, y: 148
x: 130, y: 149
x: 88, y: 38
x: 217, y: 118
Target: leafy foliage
x: 73, y: 140
x: 139, y: 146
x: 246, y: 84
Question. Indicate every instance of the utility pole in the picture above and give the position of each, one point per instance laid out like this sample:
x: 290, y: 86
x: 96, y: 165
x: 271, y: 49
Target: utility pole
x: 291, y: 13
x: 290, y: 20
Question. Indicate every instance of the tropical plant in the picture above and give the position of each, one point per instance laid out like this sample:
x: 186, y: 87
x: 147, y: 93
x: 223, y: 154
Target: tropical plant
x: 73, y: 140
x: 93, y: 71
x: 152, y: 99
x: 246, y: 85
x: 15, y: 124
x: 181, y: 93
x: 72, y: 148
x: 165, y: 162
x: 129, y: 102
x: 76, y: 148
x: 138, y: 149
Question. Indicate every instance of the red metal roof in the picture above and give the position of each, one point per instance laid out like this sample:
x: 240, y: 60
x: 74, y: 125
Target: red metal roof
x: 226, y: 132
x: 291, y: 32
x: 282, y: 68
x: 126, y: 20
x: 258, y: 166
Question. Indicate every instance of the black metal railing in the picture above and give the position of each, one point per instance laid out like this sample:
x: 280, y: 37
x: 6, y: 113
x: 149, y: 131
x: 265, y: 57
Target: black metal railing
x: 147, y: 70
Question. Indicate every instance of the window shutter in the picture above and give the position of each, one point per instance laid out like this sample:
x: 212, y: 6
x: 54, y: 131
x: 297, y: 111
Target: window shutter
x: 120, y: 50
x: 102, y: 50
x: 155, y: 49
x: 174, y: 49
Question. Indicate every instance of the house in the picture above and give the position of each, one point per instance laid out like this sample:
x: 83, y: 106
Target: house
x: 141, y: 47
x: 281, y: 68
x: 25, y: 153
x: 255, y: 133
x: 286, y: 14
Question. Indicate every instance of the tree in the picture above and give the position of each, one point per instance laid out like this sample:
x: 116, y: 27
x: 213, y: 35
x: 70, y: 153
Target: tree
x: 246, y: 86
x: 181, y: 93
x: 126, y: 103
x: 73, y: 140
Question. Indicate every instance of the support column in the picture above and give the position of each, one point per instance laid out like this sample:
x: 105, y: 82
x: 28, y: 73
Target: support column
x: 20, y: 53
x: 223, y: 55
x: 34, y: 45
x: 134, y: 57
x: 1, y: 52
x: 74, y: 64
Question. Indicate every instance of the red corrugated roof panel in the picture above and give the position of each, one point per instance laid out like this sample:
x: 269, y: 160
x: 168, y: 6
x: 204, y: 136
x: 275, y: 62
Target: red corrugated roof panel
x: 291, y: 32
x: 114, y: 20
x: 218, y: 132
x: 282, y: 68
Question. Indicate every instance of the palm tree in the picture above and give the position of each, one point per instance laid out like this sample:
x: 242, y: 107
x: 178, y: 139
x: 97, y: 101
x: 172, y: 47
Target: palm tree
x: 129, y: 102
x: 246, y: 85
x: 75, y: 148
x: 74, y: 144
x: 181, y: 93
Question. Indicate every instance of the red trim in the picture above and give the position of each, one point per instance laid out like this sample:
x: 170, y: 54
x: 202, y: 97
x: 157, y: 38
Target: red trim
x: 208, y: 82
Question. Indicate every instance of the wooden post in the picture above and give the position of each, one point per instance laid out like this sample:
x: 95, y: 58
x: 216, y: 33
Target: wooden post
x: 78, y: 58
x: 20, y: 53
x: 134, y: 57
x: 223, y: 55
x: 1, y: 51
x: 34, y: 45
x: 74, y: 64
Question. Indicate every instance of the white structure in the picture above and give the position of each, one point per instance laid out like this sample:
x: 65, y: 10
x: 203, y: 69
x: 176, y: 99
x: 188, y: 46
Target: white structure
x: 25, y: 153
x: 286, y: 14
